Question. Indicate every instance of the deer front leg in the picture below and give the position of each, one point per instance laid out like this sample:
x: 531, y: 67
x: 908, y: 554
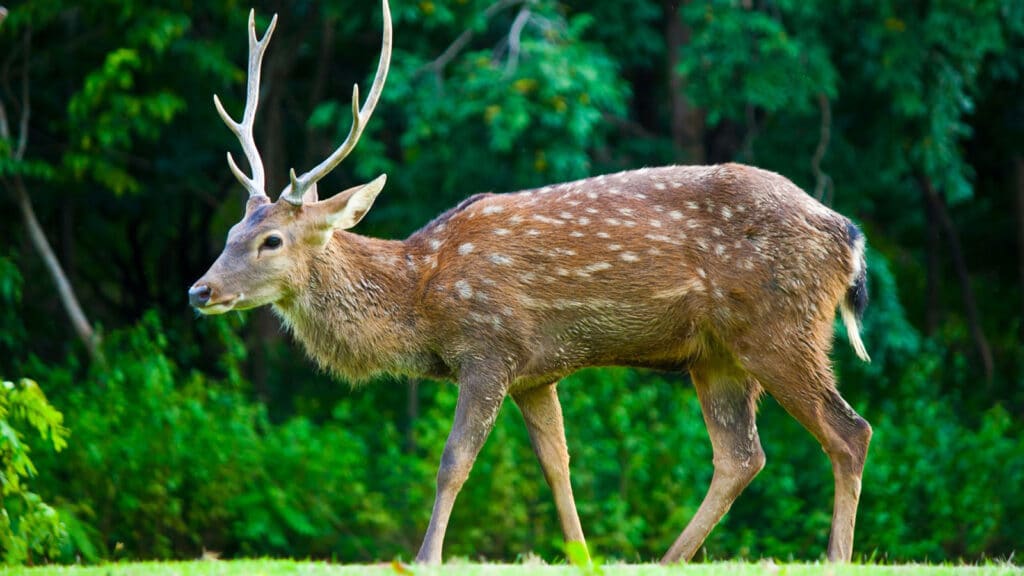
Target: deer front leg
x: 475, y: 413
x: 543, y: 415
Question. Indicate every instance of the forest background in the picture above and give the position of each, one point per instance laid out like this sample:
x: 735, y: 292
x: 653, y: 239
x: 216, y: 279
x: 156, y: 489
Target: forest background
x: 182, y: 434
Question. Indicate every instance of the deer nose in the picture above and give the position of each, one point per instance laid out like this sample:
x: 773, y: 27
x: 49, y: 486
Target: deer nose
x: 199, y: 295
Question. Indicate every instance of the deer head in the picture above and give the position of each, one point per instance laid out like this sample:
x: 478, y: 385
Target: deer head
x: 271, y: 243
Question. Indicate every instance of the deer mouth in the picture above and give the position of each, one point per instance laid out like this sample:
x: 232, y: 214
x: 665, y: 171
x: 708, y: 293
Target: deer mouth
x: 219, y: 307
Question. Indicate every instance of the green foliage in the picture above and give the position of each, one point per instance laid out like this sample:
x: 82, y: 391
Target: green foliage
x: 740, y: 59
x: 217, y: 434
x: 27, y: 524
x: 110, y: 112
x: 526, y: 116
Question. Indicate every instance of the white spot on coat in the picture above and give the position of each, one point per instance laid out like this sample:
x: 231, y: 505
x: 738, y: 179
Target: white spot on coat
x: 547, y: 220
x: 595, y: 267
x: 464, y: 289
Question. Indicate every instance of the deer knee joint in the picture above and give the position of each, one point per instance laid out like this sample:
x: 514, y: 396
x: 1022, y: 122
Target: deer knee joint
x: 454, y: 469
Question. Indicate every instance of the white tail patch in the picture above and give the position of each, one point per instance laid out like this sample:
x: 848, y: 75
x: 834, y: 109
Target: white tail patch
x: 853, y: 331
x: 849, y: 317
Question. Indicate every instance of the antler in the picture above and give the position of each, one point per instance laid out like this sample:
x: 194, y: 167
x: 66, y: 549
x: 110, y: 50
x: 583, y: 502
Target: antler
x: 299, y: 185
x: 243, y: 130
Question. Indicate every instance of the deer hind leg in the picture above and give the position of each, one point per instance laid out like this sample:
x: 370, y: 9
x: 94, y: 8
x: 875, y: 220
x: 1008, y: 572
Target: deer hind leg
x: 728, y: 401
x: 806, y: 389
x: 543, y: 415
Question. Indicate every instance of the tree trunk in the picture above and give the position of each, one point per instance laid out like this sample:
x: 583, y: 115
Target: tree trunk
x: 317, y: 144
x: 960, y: 264
x: 1019, y: 163
x: 67, y: 294
x: 933, y: 267
x: 687, y: 122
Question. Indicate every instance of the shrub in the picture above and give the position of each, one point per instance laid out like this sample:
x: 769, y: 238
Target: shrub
x: 27, y: 524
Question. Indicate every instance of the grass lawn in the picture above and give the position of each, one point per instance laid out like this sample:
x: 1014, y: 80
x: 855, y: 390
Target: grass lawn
x: 283, y: 567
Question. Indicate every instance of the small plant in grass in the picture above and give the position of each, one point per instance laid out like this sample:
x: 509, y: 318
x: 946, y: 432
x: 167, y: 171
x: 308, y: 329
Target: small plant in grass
x: 27, y: 524
x: 578, y: 556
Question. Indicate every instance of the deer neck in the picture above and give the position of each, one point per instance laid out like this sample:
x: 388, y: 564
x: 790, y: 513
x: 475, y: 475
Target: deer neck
x: 353, y: 311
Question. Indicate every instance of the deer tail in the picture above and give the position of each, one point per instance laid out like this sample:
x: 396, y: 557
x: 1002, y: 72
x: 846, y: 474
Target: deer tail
x: 856, y: 300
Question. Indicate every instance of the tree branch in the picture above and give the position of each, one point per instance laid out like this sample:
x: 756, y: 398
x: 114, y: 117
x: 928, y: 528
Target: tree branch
x: 438, y: 64
x: 628, y: 126
x: 67, y: 293
x: 514, y: 40
x: 5, y: 130
x: 823, y: 180
x: 26, y: 109
x: 960, y: 264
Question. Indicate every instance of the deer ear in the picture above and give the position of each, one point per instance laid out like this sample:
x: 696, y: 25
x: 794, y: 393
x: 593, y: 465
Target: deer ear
x: 345, y: 209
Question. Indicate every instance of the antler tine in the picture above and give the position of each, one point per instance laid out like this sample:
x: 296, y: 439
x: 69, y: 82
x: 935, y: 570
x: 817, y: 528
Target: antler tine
x: 293, y: 193
x: 243, y: 130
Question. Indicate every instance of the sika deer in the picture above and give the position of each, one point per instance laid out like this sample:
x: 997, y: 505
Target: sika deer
x: 729, y: 272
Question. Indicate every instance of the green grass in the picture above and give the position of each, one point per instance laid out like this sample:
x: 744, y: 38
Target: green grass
x: 286, y: 567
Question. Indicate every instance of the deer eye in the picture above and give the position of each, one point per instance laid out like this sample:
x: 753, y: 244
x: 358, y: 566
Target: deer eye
x: 271, y: 242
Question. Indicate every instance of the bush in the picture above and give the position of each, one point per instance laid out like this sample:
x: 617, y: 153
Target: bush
x: 27, y: 524
x: 167, y: 462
